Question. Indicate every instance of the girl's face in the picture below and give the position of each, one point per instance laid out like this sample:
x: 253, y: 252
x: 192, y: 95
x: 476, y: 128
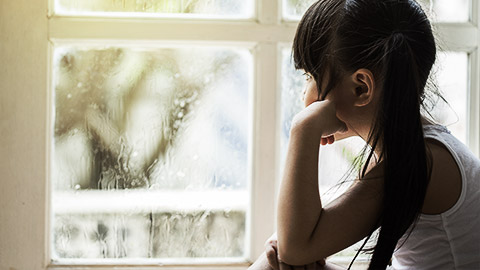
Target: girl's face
x: 310, y: 93
x: 339, y: 95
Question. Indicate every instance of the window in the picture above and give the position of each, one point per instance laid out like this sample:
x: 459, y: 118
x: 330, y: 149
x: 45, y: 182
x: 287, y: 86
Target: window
x: 150, y: 156
x: 250, y: 40
x: 151, y: 142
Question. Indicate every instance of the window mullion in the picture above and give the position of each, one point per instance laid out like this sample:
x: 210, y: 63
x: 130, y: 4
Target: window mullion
x: 474, y: 118
x: 264, y: 145
x: 474, y: 103
x: 474, y: 12
x: 151, y: 30
x: 456, y: 37
x: 268, y: 11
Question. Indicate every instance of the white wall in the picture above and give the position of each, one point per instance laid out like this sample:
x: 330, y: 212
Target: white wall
x: 23, y: 105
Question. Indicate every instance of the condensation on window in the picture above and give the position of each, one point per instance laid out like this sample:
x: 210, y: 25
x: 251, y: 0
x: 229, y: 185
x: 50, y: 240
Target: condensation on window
x: 206, y: 8
x: 158, y: 120
x: 437, y: 10
x: 150, y: 235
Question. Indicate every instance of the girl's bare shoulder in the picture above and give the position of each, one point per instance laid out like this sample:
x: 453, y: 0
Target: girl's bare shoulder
x: 445, y: 183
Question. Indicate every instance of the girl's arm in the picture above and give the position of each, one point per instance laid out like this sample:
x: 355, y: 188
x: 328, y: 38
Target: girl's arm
x: 261, y: 263
x: 308, y: 231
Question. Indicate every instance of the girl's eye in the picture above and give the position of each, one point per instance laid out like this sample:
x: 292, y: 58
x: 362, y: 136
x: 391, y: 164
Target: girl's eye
x: 308, y: 77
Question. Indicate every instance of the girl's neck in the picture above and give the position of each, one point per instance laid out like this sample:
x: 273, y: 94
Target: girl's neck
x: 378, y: 147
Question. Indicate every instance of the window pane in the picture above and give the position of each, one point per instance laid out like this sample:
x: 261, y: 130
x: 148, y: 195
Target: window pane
x: 450, y: 73
x: 162, y: 8
x: 150, y: 149
x: 439, y: 10
x: 335, y: 160
x: 294, y: 9
x: 447, y: 10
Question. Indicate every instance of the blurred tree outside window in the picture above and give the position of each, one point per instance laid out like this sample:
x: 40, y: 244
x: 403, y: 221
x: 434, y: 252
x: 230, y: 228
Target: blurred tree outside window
x: 136, y: 124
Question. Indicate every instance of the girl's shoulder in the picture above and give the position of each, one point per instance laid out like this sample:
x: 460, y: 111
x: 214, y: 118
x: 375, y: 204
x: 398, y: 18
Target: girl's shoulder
x: 445, y: 183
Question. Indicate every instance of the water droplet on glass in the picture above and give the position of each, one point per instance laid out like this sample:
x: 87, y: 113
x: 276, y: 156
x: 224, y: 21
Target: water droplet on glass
x: 177, y: 124
x: 180, y: 115
x: 77, y: 187
x: 79, y: 84
x: 69, y: 96
x: 182, y: 103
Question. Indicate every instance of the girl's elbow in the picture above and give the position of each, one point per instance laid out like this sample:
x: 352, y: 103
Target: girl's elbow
x: 292, y: 255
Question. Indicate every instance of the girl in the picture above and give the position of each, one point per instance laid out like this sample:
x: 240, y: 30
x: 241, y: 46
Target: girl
x: 367, y: 64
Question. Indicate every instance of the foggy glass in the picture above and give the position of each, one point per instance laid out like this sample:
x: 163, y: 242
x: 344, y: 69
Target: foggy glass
x: 437, y: 10
x: 141, y: 8
x: 150, y: 235
x: 143, y: 127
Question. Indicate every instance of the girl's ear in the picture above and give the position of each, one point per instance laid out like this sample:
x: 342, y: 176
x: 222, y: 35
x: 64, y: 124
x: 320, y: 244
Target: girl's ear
x: 364, y: 87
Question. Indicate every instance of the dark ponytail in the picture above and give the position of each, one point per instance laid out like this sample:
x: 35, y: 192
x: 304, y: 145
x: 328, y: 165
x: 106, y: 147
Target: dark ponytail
x: 403, y: 148
x: 393, y: 39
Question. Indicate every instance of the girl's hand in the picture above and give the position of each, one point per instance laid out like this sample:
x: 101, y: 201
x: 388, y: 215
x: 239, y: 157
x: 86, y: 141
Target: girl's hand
x: 274, y: 262
x: 319, y: 119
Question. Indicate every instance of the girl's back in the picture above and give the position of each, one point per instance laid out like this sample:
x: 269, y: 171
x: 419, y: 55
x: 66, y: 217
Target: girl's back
x: 450, y: 239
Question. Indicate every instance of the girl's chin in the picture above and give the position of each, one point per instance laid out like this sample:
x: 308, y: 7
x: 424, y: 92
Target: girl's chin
x: 341, y: 136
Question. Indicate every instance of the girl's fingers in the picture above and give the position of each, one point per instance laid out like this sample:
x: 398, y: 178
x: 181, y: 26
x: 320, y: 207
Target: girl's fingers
x: 271, y: 243
x: 284, y: 266
x: 327, y: 140
x: 272, y: 257
x: 323, y: 141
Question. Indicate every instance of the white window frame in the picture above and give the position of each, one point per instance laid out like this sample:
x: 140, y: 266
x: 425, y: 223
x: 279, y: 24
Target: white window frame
x: 27, y: 106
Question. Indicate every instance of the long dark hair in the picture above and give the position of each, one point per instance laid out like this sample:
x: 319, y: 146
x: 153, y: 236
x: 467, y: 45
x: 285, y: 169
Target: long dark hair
x: 394, y: 40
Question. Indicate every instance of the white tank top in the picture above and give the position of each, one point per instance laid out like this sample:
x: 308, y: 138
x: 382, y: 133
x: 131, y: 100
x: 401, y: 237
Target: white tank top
x: 450, y: 240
